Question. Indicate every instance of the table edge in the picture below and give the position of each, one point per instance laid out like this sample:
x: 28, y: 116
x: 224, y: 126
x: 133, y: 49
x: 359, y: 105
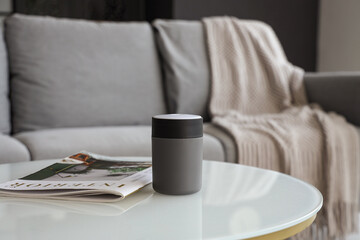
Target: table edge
x: 287, y: 232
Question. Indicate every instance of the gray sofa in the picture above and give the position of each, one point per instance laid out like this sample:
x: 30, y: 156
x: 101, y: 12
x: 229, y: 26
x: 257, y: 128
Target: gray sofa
x: 71, y: 85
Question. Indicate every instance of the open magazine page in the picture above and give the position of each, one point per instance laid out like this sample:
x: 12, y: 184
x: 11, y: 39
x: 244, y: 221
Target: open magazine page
x: 82, y: 176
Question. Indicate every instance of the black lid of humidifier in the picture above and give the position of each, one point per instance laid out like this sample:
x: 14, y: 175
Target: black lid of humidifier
x: 177, y: 126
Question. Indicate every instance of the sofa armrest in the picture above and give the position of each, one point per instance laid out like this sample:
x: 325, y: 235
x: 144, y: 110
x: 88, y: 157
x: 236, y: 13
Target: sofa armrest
x: 226, y: 140
x: 338, y: 92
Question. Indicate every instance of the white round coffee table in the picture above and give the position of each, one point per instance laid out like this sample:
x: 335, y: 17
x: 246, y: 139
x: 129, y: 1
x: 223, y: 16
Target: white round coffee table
x: 236, y: 202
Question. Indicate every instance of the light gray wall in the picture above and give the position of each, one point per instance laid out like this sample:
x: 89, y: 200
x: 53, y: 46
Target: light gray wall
x: 5, y: 5
x: 339, y: 35
x: 5, y: 9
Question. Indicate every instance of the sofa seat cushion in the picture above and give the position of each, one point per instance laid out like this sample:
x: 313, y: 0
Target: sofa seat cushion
x: 11, y: 150
x: 76, y: 73
x: 112, y: 141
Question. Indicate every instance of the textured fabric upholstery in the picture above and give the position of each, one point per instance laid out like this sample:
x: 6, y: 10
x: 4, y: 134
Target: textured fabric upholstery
x: 113, y: 141
x: 11, y: 150
x: 71, y: 73
x: 4, y: 89
x: 187, y: 81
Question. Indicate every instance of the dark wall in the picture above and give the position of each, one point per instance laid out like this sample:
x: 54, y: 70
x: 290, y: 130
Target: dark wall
x: 109, y: 10
x: 294, y: 21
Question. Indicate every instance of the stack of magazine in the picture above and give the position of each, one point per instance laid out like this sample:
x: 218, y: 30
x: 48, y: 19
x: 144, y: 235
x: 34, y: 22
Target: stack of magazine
x: 84, y: 176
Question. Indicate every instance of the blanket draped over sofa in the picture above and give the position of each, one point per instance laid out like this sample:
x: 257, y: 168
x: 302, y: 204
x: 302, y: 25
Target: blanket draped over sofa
x: 258, y: 97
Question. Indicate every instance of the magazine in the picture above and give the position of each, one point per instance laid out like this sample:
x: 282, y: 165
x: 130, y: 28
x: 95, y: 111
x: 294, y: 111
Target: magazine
x: 84, y: 176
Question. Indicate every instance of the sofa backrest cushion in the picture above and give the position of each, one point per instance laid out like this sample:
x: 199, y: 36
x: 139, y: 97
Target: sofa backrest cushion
x: 76, y: 73
x: 185, y: 65
x: 4, y: 89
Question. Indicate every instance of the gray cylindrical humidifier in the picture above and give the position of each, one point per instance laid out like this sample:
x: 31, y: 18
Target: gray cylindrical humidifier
x: 177, y: 153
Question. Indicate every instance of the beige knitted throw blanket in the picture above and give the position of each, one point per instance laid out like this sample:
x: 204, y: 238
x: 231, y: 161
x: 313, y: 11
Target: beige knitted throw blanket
x: 258, y: 97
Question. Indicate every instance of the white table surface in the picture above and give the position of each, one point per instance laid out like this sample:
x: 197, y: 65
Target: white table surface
x: 235, y: 202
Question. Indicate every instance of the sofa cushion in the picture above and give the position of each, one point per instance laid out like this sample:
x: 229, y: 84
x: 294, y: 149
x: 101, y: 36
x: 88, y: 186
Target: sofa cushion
x: 4, y: 89
x: 71, y: 73
x: 186, y: 69
x: 11, y: 150
x: 113, y: 141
